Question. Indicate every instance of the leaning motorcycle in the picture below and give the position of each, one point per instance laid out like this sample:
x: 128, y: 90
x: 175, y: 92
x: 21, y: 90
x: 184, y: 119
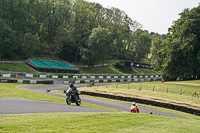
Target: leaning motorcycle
x: 73, y: 97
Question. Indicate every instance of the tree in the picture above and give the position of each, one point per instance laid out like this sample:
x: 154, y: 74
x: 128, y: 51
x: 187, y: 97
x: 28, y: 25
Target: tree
x: 62, y: 27
x: 98, y: 46
x: 7, y: 40
x: 142, y: 44
x: 83, y: 22
x: 30, y: 43
x: 180, y: 51
x: 66, y: 49
x: 154, y: 51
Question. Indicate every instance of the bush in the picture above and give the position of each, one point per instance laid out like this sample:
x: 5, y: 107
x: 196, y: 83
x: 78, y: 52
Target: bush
x: 119, y: 65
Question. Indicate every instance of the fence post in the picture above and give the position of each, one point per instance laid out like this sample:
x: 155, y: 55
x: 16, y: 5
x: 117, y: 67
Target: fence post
x: 117, y: 86
x: 167, y: 90
x: 128, y: 86
x: 153, y: 88
x: 195, y: 94
x: 181, y: 92
x: 140, y: 87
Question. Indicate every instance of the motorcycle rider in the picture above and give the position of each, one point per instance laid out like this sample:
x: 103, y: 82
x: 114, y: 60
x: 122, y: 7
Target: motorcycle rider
x: 71, y: 88
x: 134, y: 105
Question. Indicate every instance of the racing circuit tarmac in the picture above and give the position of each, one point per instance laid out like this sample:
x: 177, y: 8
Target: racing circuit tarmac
x: 24, y: 106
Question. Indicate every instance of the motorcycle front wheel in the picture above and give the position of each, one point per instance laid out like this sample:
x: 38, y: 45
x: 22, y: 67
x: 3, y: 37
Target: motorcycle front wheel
x: 78, y: 102
x: 68, y: 100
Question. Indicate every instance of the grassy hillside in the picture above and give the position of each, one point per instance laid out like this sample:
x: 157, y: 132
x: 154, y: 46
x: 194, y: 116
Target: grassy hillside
x: 22, y: 67
x: 98, y: 69
x: 136, y: 70
x: 17, y: 67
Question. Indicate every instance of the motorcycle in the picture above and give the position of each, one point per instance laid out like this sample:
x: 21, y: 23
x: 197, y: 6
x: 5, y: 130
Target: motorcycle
x: 134, y: 110
x: 73, y: 97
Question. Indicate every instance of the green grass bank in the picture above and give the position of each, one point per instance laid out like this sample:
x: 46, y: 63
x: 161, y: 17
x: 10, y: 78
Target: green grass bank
x: 107, y: 69
x: 96, y: 122
x: 176, y: 93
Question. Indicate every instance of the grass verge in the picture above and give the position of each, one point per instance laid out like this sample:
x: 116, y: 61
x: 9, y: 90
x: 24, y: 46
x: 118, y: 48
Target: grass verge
x: 96, y: 122
x: 161, y: 92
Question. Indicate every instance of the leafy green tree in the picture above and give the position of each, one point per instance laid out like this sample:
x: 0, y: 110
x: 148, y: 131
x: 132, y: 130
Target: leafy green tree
x: 122, y: 27
x: 83, y: 22
x: 66, y: 49
x: 30, y: 43
x: 62, y: 27
x: 154, y: 51
x: 180, y: 51
x: 142, y: 42
x: 7, y: 40
x: 98, y: 46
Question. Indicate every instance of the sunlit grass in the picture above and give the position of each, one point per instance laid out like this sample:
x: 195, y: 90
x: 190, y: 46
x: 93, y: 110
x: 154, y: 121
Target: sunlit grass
x: 17, y: 67
x: 162, y: 92
x: 96, y: 122
x: 107, y: 69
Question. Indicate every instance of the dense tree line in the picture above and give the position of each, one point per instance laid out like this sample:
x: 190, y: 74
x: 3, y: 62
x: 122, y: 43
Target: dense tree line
x: 75, y: 30
x: 178, y: 56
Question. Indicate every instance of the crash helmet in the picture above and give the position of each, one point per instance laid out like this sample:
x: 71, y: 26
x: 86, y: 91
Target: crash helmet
x: 133, y: 103
x: 71, y: 84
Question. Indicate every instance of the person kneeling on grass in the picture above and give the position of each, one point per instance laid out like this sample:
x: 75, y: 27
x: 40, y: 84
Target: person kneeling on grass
x: 134, y: 108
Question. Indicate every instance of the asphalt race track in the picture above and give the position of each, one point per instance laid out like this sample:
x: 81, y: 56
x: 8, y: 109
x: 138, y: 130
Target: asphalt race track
x: 21, y: 106
x: 26, y: 106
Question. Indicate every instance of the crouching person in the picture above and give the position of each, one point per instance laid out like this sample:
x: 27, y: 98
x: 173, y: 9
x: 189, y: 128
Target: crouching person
x: 134, y: 108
